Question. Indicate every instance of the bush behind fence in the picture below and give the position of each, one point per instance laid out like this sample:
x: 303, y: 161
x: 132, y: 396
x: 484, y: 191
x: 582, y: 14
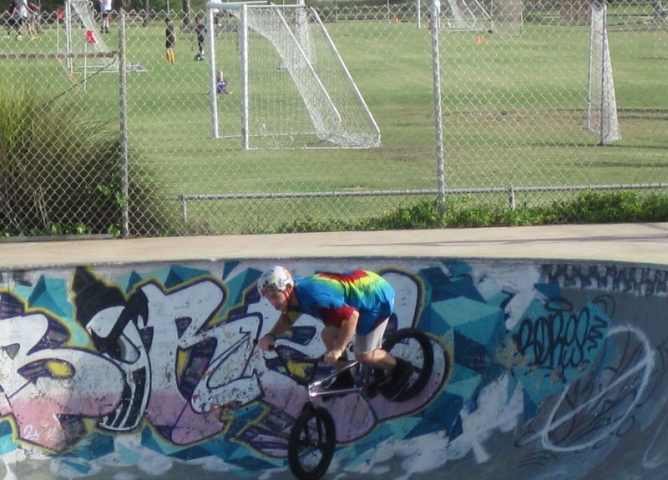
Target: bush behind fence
x: 505, y: 124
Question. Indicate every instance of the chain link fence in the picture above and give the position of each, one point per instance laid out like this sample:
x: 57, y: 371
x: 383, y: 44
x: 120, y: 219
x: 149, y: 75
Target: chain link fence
x: 485, y: 102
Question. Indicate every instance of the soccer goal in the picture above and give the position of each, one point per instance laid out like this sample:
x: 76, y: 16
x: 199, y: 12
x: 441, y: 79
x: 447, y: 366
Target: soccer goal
x: 602, y: 105
x: 83, y: 39
x: 294, y: 88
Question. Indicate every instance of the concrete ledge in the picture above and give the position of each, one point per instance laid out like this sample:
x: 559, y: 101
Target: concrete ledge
x: 639, y: 243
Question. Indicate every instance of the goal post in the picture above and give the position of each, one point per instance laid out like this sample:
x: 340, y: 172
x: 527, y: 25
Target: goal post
x: 602, y: 104
x: 295, y: 89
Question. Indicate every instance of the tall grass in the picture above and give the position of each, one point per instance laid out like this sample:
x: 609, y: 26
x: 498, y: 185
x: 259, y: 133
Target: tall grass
x: 59, y: 171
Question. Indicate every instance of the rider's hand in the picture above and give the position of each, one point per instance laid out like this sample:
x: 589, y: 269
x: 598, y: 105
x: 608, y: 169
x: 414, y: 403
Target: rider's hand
x: 266, y: 342
x: 333, y: 355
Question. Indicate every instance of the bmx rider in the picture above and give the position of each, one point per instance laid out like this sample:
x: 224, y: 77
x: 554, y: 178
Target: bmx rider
x: 357, y: 303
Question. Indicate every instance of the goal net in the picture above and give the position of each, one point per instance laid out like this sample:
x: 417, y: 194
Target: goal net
x: 602, y: 105
x: 507, y: 18
x: 82, y: 35
x: 468, y: 15
x: 295, y: 89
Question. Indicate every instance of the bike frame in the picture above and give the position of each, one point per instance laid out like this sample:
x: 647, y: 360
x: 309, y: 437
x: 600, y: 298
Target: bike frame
x: 315, y: 387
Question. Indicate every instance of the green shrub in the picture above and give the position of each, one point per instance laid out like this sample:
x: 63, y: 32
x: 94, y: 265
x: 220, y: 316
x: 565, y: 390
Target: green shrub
x: 59, y: 171
x: 586, y: 207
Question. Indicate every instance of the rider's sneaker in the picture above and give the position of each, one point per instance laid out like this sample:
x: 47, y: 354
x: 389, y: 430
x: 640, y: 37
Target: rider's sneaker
x: 392, y: 383
x: 400, y: 374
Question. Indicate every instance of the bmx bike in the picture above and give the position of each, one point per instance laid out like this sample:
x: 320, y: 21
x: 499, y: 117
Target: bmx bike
x: 312, y: 438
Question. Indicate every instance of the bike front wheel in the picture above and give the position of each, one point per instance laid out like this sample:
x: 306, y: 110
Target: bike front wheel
x: 415, y: 347
x: 311, y: 444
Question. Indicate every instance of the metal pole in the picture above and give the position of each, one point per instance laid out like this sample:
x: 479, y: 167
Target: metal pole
x: 213, y: 83
x: 243, y: 41
x: 438, y: 113
x: 68, y: 36
x: 123, y: 106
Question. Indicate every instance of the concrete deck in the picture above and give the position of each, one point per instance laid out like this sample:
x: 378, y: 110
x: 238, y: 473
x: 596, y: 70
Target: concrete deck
x: 637, y: 243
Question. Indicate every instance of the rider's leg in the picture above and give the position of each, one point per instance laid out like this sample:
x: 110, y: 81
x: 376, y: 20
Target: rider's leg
x: 377, y: 358
x: 330, y: 335
x: 368, y: 351
x: 367, y: 347
x: 344, y: 380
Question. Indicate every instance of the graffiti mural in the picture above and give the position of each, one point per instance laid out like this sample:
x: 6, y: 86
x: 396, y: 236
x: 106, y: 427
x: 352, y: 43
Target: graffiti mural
x: 153, y: 368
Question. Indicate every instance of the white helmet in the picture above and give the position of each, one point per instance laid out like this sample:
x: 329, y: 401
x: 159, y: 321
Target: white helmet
x: 277, y: 278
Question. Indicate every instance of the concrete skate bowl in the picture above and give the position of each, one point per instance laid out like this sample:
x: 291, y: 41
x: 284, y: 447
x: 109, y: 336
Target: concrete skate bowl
x: 542, y: 370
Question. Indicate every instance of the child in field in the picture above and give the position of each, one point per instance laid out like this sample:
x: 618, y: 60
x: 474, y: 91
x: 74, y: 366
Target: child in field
x: 12, y: 19
x: 221, y: 84
x: 200, y: 33
x: 33, y: 17
x: 170, y: 40
x: 22, y: 13
x: 105, y: 9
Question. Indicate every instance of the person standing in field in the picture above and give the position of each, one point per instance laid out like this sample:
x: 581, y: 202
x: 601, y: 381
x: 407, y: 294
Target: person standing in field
x: 200, y: 33
x: 24, y: 13
x: 12, y: 20
x: 170, y: 40
x: 105, y: 10
x: 34, y: 17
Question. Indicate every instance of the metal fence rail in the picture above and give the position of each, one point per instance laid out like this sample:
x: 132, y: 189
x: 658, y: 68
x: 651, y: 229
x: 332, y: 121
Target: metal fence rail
x: 483, y: 99
x: 510, y: 192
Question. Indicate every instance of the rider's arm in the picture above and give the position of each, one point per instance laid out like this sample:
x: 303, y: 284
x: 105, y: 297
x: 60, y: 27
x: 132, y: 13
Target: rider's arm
x: 346, y: 333
x: 280, y: 327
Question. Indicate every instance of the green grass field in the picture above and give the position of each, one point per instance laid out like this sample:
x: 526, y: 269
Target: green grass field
x: 513, y: 114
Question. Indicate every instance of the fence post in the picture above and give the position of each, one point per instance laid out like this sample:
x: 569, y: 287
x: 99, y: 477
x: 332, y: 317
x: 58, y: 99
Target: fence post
x: 123, y: 113
x: 511, y: 198
x: 434, y: 11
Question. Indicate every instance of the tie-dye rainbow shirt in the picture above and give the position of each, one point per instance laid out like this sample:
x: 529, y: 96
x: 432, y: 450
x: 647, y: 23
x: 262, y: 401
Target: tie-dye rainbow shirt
x: 332, y: 298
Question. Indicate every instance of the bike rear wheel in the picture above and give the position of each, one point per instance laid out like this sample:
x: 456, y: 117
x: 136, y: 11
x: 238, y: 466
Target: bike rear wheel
x: 311, y: 444
x: 415, y: 347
